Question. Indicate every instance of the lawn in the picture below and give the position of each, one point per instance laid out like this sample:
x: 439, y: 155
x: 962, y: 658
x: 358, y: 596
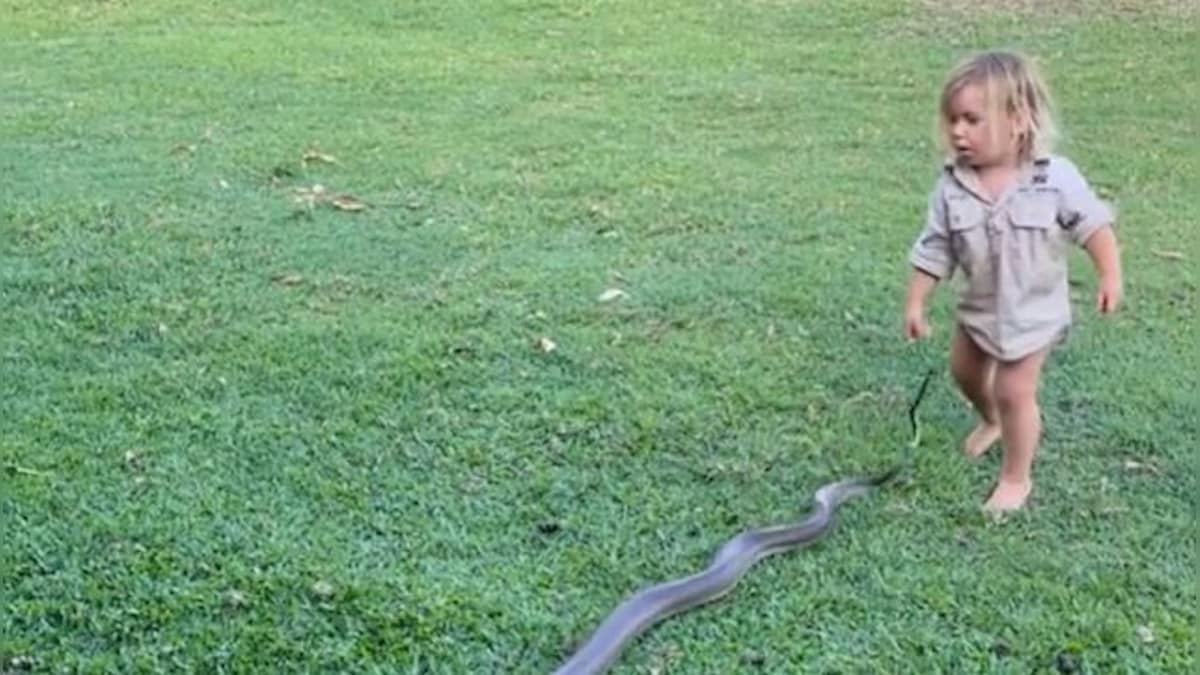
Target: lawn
x: 414, y: 336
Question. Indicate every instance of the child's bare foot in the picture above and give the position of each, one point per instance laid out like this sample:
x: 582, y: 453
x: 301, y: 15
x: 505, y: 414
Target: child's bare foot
x: 1008, y: 496
x: 981, y: 439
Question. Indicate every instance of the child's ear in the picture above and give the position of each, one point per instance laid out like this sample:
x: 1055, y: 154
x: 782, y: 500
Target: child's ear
x: 1020, y: 123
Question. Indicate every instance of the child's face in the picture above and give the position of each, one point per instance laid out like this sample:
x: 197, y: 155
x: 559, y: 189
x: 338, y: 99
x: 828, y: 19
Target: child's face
x: 981, y: 138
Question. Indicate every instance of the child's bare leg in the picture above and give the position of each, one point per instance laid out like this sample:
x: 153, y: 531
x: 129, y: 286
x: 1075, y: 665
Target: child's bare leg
x: 1020, y: 418
x: 974, y: 370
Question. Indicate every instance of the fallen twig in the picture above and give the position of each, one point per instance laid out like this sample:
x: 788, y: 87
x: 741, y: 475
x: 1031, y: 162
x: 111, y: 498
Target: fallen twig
x: 15, y: 470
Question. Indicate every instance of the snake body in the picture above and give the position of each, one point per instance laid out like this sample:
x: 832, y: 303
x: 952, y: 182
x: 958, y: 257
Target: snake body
x: 656, y: 603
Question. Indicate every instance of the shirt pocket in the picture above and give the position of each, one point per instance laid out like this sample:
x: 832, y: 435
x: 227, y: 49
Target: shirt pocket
x: 1035, y: 244
x: 968, y: 237
x: 1038, y: 211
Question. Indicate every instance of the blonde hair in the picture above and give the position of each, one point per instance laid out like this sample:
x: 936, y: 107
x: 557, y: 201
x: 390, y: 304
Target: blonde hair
x: 1012, y: 86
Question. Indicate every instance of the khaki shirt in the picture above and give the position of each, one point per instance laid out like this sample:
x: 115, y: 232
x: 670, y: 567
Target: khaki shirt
x: 1012, y: 252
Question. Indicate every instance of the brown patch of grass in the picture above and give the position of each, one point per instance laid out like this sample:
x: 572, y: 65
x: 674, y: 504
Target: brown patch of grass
x: 1062, y: 8
x: 955, y: 20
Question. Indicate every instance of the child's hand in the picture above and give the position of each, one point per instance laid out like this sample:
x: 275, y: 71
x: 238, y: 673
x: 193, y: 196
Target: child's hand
x: 920, y: 284
x: 1102, y: 247
x: 915, y: 325
x: 1108, y: 296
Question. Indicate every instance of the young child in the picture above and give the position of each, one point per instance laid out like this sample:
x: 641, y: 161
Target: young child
x: 1004, y: 211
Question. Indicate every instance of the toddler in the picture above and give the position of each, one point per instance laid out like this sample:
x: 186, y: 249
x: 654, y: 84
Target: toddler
x: 1004, y: 212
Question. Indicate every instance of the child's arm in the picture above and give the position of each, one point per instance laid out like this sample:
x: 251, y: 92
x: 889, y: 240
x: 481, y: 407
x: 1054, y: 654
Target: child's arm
x: 920, y: 285
x: 1102, y: 248
x: 932, y: 260
x: 1090, y: 223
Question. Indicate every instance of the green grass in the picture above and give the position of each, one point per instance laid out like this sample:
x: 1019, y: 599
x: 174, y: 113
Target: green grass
x: 241, y: 435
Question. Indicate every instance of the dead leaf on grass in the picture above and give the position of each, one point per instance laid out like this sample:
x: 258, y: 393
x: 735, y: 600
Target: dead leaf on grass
x: 317, y: 194
x: 235, y: 599
x: 1168, y: 255
x: 345, y: 202
x: 754, y: 658
x: 133, y: 460
x: 546, y: 345
x: 1134, y: 465
x: 1145, y: 634
x: 310, y: 196
x: 20, y: 663
x: 288, y: 279
x: 599, y: 210
x: 322, y: 589
x: 16, y: 470
x: 612, y: 294
x: 313, y: 156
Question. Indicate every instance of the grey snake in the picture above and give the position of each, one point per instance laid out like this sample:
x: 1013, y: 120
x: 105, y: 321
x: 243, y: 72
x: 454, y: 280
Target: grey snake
x: 655, y: 603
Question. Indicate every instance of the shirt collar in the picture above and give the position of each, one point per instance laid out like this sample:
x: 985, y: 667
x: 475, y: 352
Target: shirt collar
x: 967, y: 177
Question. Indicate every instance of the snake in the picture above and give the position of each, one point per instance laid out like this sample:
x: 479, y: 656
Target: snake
x: 654, y: 604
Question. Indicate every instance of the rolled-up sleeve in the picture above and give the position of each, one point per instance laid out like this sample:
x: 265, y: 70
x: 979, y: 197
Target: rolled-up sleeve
x: 1080, y: 212
x: 931, y: 252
